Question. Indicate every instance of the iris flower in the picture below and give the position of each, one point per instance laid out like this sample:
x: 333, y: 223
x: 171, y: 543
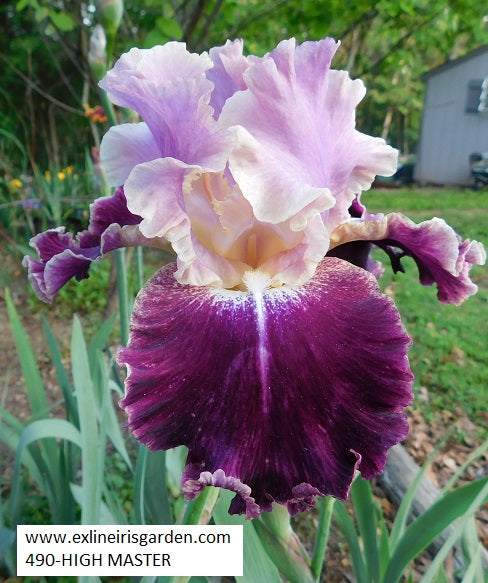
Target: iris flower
x: 267, y: 349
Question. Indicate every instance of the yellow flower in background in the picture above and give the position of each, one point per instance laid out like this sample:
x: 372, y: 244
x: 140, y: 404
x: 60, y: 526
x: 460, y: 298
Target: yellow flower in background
x: 16, y: 183
x: 69, y: 170
x: 61, y: 175
x: 47, y: 175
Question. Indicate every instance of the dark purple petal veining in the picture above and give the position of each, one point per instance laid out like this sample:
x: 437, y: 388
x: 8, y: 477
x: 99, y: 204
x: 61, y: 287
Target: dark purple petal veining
x: 280, y: 395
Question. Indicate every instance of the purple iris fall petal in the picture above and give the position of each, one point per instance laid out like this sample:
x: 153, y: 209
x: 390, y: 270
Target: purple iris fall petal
x: 113, y: 225
x: 62, y: 256
x: 442, y: 257
x: 109, y: 210
x: 278, y: 394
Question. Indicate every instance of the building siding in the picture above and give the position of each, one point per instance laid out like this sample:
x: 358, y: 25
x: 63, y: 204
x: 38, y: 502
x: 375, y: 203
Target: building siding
x: 448, y: 134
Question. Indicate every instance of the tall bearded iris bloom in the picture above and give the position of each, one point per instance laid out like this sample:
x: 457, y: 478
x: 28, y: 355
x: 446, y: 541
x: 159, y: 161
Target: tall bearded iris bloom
x: 267, y: 349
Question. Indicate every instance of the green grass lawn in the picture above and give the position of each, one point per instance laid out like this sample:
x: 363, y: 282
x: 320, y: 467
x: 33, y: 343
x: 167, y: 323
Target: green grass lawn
x: 449, y: 355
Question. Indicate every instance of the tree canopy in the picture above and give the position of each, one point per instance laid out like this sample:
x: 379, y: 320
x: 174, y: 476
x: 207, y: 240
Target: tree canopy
x: 387, y: 43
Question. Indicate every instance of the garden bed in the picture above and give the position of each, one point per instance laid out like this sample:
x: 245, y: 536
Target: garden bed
x: 449, y: 355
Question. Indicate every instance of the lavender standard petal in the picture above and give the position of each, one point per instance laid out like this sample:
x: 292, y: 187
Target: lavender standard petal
x: 227, y: 73
x: 166, y: 85
x: 299, y: 117
x: 125, y: 146
x: 285, y: 392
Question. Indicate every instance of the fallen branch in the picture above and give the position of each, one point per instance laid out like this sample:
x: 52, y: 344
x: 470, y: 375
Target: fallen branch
x: 400, y: 471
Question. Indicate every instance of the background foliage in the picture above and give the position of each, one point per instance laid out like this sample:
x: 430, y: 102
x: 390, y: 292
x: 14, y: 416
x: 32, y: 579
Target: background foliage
x: 50, y: 131
x: 388, y: 43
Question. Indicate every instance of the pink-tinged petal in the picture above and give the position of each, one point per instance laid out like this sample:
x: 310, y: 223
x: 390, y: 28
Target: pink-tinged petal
x: 296, y: 265
x: 125, y: 146
x: 279, y: 394
x: 155, y: 191
x: 227, y: 73
x: 135, y: 78
x: 200, y: 266
x: 441, y: 255
x: 259, y: 171
x: 220, y: 216
x: 118, y: 237
x: 228, y: 240
x: 357, y: 158
x: 166, y: 85
x: 299, y: 139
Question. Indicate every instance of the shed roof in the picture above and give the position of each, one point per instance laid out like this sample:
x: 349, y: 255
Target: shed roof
x: 455, y: 62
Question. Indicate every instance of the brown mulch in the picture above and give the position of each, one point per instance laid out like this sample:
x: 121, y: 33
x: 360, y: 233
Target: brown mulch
x: 421, y: 443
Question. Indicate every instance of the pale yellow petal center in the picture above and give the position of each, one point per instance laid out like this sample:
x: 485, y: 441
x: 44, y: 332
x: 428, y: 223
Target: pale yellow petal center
x: 223, y: 221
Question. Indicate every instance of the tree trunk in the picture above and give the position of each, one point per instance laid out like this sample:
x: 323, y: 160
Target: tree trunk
x: 355, y: 42
x: 387, y: 122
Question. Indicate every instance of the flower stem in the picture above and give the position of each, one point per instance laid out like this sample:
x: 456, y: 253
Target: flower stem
x: 283, y: 546
x: 326, y: 506
x: 199, y: 511
x: 123, y: 295
x: 108, y: 108
x: 139, y: 267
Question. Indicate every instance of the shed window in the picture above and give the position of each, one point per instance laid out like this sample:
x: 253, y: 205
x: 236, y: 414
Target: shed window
x: 473, y: 96
x: 483, y: 106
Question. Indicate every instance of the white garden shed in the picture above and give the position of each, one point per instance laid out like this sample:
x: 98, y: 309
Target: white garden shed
x: 454, y: 125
